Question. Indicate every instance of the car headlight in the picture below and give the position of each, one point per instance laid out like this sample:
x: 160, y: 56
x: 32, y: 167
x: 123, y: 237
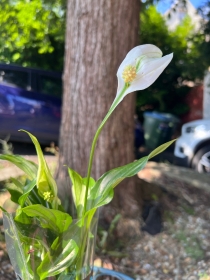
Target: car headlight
x: 196, y: 129
x: 190, y: 129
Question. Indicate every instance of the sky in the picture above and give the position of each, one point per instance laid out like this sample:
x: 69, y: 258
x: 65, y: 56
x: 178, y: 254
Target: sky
x: 165, y: 5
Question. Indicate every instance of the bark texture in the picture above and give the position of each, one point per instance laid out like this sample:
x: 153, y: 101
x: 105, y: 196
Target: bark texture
x: 99, y: 34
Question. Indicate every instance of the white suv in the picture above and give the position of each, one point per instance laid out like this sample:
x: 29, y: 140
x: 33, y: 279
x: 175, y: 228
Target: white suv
x: 192, y: 148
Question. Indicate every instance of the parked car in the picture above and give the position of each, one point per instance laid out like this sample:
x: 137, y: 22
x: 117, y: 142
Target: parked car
x: 30, y: 99
x: 192, y: 149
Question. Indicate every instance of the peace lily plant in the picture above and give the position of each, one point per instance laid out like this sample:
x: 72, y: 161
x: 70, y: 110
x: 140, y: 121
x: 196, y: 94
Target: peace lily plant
x: 43, y: 240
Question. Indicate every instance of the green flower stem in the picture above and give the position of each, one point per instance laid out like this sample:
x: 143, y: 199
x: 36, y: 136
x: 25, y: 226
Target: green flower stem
x: 113, y: 106
x: 89, y: 224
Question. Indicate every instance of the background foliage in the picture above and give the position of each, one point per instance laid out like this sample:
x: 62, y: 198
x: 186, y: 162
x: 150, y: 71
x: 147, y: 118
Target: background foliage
x: 32, y: 32
x: 169, y: 91
x: 204, y: 11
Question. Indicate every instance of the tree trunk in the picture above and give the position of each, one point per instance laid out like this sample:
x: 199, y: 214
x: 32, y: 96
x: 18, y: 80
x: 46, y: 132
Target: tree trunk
x: 99, y: 34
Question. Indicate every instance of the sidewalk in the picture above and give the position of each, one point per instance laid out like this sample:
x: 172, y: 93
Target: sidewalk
x: 8, y: 170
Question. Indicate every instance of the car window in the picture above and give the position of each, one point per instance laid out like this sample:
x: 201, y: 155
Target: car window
x: 14, y: 78
x: 50, y: 85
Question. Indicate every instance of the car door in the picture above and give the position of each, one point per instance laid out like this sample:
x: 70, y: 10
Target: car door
x: 25, y: 103
x: 48, y: 91
x: 15, y: 107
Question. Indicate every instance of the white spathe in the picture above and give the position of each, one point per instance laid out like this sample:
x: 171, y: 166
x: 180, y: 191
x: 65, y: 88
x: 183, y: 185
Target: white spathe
x: 151, y: 66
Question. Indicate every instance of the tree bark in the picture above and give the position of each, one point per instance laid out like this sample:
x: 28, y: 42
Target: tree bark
x: 99, y: 34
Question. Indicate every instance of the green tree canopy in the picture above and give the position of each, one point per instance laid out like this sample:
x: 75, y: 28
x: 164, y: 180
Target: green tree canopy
x: 204, y: 10
x: 168, y: 92
x: 32, y: 32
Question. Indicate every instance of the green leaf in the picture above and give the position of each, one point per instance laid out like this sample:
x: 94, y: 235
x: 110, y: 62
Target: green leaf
x: 102, y: 192
x: 53, y: 219
x: 35, y: 198
x: 3, y: 210
x: 15, y: 248
x: 91, y: 182
x: 160, y: 149
x: 17, y: 183
x: 15, y: 193
x: 55, y: 263
x: 22, y: 218
x: 45, y: 181
x: 16, y: 56
x: 29, y: 167
x: 15, y: 190
x: 78, y: 191
x: 66, y: 249
x: 26, y: 191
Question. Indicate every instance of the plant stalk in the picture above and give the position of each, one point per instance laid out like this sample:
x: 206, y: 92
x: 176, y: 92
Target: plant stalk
x: 113, y: 106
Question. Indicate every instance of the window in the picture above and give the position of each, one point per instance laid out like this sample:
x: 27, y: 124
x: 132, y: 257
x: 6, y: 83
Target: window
x: 50, y: 85
x: 14, y: 78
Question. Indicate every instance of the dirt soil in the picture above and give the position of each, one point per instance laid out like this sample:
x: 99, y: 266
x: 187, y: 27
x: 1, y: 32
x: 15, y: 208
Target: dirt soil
x: 180, y: 252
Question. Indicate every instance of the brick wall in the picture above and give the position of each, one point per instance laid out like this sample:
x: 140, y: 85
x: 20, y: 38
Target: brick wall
x: 195, y: 102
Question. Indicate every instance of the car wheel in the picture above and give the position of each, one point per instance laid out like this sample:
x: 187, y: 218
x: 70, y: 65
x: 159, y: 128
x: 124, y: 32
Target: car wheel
x: 201, y: 160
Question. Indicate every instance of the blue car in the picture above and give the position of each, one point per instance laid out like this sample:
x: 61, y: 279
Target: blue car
x: 30, y: 99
